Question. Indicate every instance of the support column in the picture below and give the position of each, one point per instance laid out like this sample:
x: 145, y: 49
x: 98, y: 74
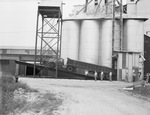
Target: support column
x: 41, y: 58
x: 36, y: 40
x: 121, y: 25
x: 113, y: 25
x: 17, y: 69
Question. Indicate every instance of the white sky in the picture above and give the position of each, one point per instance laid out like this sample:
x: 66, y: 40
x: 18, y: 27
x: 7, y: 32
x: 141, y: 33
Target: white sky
x: 18, y: 21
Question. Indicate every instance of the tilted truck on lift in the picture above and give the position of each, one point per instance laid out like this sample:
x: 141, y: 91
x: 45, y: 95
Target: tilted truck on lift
x: 53, y: 61
x: 73, y: 69
x: 80, y: 67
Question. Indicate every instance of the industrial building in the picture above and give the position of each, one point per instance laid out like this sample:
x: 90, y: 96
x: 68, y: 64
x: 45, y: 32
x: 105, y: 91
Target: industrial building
x: 9, y: 55
x: 101, y: 32
x: 90, y: 38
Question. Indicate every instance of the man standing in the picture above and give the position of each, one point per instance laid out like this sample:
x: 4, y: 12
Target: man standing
x: 126, y: 76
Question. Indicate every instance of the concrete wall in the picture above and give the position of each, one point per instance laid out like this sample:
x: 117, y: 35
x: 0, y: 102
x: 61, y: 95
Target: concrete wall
x: 8, y: 57
x: 22, y: 70
x: 8, y: 66
x: 22, y: 51
x: 128, y: 62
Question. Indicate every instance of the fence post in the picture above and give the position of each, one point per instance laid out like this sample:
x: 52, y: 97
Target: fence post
x: 110, y: 76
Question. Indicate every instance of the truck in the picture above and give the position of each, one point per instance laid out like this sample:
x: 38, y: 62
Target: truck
x: 53, y: 61
x: 81, y: 67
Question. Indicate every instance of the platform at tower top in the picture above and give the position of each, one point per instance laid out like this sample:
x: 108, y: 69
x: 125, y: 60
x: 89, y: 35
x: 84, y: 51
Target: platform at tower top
x: 50, y: 8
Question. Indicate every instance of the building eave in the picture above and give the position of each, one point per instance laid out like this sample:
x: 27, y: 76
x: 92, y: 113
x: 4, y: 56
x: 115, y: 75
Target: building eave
x: 92, y: 17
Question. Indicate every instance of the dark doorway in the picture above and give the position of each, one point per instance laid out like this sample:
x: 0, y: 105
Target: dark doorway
x: 29, y: 70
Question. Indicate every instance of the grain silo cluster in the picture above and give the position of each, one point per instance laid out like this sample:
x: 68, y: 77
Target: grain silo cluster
x: 89, y: 38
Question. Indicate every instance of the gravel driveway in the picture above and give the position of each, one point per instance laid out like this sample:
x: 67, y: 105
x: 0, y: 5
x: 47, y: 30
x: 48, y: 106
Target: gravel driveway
x: 91, y: 97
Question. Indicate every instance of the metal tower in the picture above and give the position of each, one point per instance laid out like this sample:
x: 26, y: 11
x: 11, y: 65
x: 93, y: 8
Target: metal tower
x: 117, y: 15
x: 114, y: 10
x: 48, y: 35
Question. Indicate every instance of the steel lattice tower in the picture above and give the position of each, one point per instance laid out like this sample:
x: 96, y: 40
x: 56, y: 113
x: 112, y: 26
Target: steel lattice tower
x: 48, y: 32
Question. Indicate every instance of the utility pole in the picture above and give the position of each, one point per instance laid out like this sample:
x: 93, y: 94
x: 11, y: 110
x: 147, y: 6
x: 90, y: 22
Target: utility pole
x: 121, y: 24
x: 36, y: 41
x: 86, y: 2
x: 113, y: 24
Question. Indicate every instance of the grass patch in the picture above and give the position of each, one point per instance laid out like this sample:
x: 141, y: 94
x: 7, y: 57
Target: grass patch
x: 18, y: 98
x: 143, y: 92
x: 8, y: 87
x: 46, y: 104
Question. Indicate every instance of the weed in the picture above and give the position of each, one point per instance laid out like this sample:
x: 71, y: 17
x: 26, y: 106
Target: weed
x: 19, y: 98
x: 8, y: 87
x: 143, y: 92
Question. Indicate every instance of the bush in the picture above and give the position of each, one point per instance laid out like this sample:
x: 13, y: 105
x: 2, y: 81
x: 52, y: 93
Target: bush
x: 7, y: 82
x: 143, y: 92
x: 19, y: 98
x: 8, y: 86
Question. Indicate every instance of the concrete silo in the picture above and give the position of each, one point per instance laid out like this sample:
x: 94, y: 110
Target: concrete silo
x: 65, y: 39
x: 107, y: 45
x: 134, y: 35
x: 89, y: 41
x: 117, y: 40
x: 70, y: 39
x: 130, y: 58
x: 105, y: 53
x: 97, y: 44
x: 134, y: 42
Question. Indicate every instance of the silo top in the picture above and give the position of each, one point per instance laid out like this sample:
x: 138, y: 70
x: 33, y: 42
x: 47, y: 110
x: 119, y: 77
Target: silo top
x: 92, y: 17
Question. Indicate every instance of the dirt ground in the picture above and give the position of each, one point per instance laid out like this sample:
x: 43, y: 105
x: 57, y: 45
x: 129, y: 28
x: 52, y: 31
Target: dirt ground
x: 89, y: 97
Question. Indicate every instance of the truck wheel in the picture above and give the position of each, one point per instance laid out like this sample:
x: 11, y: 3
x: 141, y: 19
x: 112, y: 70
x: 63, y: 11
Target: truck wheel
x: 70, y: 68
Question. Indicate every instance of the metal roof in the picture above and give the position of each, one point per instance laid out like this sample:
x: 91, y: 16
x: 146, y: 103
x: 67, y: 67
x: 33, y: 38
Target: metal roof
x: 50, y: 11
